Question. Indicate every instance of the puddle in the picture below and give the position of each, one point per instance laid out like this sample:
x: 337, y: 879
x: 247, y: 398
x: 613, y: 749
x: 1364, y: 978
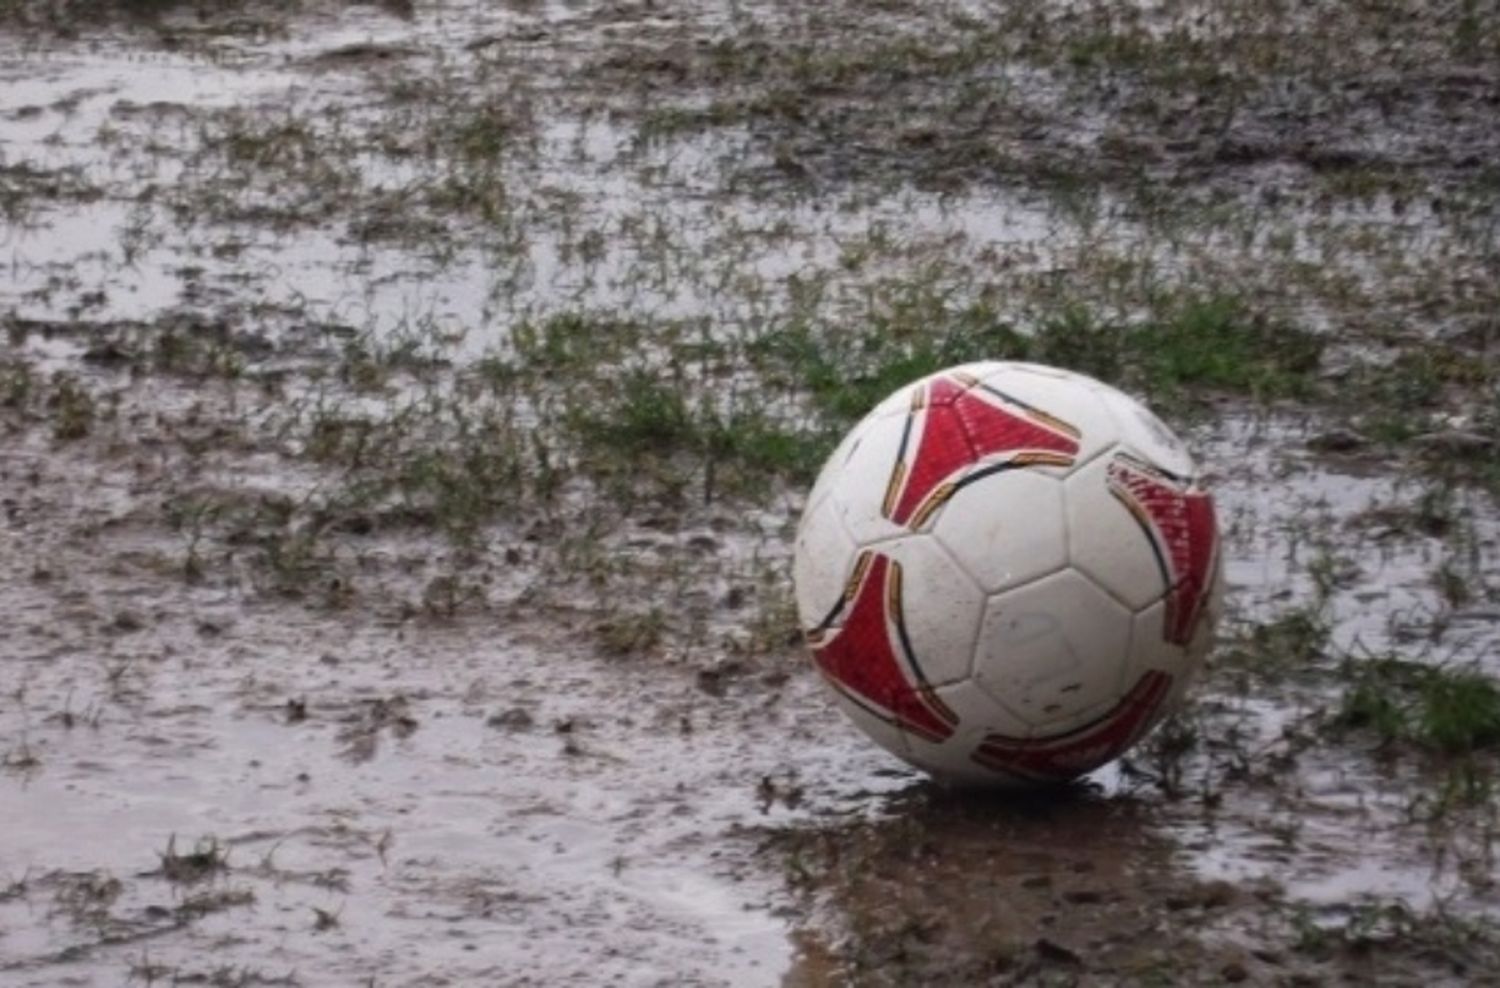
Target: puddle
x: 527, y: 811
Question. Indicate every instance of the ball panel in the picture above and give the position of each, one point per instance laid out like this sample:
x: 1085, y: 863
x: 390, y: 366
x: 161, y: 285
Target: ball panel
x: 1070, y: 398
x: 1149, y: 647
x: 1176, y: 518
x: 1057, y: 756
x: 866, y: 651
x: 1106, y: 542
x: 1151, y: 653
x: 936, y: 454
x: 822, y: 561
x: 833, y: 468
x: 1054, y: 650
x: 958, y: 431
x: 940, y: 609
x: 1007, y: 529
x: 900, y: 400
x: 866, y: 480
x: 979, y: 716
x: 953, y: 763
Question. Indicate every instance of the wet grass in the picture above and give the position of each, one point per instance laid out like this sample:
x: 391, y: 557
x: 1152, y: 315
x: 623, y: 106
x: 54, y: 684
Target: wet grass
x: 1280, y: 646
x: 957, y: 94
x: 72, y: 408
x: 646, y: 421
x: 1192, y: 348
x: 1432, y: 708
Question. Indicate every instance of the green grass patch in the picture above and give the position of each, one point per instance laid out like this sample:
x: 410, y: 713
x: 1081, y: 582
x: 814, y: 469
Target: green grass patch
x: 645, y: 423
x: 1453, y: 711
x: 72, y: 407
x: 642, y: 414
x: 1406, y: 395
x: 1191, y: 347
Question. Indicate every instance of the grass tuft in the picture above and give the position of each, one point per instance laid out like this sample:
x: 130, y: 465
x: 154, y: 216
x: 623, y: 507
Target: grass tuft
x: 1452, y: 711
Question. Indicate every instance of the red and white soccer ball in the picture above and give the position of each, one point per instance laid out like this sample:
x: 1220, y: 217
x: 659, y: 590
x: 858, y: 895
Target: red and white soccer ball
x: 1008, y: 573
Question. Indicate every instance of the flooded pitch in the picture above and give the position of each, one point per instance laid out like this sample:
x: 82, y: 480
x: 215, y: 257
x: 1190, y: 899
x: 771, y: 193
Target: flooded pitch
x: 405, y: 410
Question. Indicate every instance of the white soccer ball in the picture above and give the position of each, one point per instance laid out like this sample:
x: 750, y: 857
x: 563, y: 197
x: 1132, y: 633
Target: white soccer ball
x: 1008, y: 573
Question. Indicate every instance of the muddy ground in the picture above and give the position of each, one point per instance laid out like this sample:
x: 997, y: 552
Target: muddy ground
x: 406, y: 408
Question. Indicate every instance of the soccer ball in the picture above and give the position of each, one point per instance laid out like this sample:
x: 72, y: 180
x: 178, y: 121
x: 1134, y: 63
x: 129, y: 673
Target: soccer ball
x: 1008, y: 573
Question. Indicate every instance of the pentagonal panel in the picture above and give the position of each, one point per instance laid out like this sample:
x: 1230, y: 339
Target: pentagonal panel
x: 1006, y: 529
x: 1108, y: 541
x: 1054, y: 650
x: 1050, y: 394
x: 940, y: 608
x: 1140, y: 429
x: 822, y: 562
x: 868, y: 477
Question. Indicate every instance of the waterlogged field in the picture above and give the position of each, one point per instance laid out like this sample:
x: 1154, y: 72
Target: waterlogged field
x: 406, y: 408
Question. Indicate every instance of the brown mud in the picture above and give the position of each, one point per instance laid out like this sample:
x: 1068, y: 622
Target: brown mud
x: 405, y: 409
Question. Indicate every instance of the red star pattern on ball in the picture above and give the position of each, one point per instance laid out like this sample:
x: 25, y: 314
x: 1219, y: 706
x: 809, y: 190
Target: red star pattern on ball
x: 959, y: 430
x: 868, y: 656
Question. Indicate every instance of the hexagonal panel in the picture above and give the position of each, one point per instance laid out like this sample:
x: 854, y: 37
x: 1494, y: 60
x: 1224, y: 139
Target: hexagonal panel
x: 1140, y: 429
x: 865, y: 480
x: 822, y: 561
x: 940, y: 609
x: 1006, y: 529
x: 1054, y: 650
x: 1108, y: 542
x: 1062, y: 395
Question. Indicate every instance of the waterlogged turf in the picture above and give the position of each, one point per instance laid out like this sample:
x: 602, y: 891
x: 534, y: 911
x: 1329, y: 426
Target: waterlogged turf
x: 406, y: 409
